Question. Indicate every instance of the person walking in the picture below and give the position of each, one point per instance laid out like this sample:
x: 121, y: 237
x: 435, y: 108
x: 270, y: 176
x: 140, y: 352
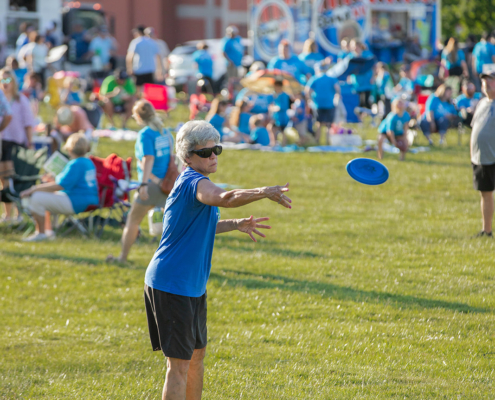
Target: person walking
x: 153, y: 151
x: 233, y: 51
x: 163, y: 51
x: 483, y: 151
x: 175, y: 281
x: 143, y: 59
x: 483, y: 53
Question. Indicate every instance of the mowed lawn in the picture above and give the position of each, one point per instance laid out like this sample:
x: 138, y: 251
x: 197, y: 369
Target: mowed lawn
x: 356, y: 293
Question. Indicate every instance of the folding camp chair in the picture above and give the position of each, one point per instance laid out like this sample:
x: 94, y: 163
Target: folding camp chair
x: 156, y: 95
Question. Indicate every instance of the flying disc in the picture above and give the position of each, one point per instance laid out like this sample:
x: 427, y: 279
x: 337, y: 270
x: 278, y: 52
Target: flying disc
x: 367, y: 171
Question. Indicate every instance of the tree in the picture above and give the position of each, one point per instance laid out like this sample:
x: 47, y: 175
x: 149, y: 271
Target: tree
x: 471, y: 16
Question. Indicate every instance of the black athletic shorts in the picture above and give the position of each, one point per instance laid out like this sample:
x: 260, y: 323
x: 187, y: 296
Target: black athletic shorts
x: 141, y: 79
x: 484, y: 177
x: 325, y: 115
x: 177, y: 324
x: 6, y: 149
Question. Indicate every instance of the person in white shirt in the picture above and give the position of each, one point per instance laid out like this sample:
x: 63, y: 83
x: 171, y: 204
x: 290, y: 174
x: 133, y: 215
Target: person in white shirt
x: 35, y: 57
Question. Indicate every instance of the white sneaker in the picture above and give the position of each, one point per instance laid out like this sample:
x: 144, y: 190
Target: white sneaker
x: 50, y: 234
x: 37, y: 237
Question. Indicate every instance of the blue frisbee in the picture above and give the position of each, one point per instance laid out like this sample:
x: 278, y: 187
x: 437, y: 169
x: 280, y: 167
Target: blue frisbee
x: 367, y: 171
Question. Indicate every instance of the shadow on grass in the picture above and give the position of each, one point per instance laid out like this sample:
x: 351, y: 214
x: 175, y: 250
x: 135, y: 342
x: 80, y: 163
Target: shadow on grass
x: 266, y: 281
x: 440, y: 163
x: 264, y: 246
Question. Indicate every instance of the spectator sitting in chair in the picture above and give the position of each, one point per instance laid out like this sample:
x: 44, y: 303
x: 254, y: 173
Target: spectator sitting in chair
x: 117, y: 96
x: 440, y: 114
x: 466, y: 102
x: 72, y: 119
x: 74, y: 189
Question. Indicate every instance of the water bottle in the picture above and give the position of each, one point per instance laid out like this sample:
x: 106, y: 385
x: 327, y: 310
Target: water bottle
x: 155, y: 221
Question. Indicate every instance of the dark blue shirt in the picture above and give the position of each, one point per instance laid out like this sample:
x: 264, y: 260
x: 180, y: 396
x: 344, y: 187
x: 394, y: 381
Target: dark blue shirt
x: 204, y: 61
x: 182, y: 263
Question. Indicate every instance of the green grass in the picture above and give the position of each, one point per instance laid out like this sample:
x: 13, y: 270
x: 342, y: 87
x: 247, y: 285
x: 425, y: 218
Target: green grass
x: 356, y: 293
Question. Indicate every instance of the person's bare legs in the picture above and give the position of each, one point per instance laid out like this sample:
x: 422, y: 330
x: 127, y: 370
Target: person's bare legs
x: 381, y: 139
x: 40, y: 222
x: 195, y: 375
x: 184, y: 380
x: 128, y: 111
x: 129, y: 235
x: 317, y: 130
x: 108, y: 109
x: 487, y: 210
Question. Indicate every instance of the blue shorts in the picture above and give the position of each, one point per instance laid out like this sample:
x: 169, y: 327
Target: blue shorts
x: 325, y: 115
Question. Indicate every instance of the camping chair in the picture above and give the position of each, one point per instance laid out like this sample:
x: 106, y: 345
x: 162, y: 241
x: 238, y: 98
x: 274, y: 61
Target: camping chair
x: 156, y: 95
x: 27, y: 166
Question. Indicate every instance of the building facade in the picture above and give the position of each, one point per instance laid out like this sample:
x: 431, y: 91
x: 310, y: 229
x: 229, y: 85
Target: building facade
x: 176, y: 21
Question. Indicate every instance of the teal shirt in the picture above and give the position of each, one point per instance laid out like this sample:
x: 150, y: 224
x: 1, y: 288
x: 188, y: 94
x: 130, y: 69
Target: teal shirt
x: 394, y: 123
x: 78, y: 180
x: 152, y: 143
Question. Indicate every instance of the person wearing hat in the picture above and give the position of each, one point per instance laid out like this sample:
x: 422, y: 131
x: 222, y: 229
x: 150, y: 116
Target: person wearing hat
x: 117, y: 96
x: 483, y: 151
x: 74, y: 189
x: 233, y: 51
x: 143, y: 59
x: 101, y: 50
x: 72, y: 119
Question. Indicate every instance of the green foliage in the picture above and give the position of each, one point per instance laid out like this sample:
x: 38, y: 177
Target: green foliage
x: 473, y: 16
x: 356, y: 293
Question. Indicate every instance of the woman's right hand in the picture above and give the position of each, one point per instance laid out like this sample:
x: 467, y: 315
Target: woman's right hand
x: 143, y: 193
x: 276, y: 194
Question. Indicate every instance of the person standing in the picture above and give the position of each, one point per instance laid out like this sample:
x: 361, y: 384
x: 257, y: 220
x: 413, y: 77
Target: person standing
x: 204, y: 63
x: 6, y: 166
x: 233, y: 51
x: 163, y: 51
x: 454, y: 59
x: 288, y: 62
x: 483, y: 53
x: 143, y: 59
x: 483, y: 151
x: 36, y: 57
x: 175, y: 281
x: 101, y: 49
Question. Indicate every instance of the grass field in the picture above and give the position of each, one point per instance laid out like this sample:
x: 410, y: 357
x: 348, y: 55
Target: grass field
x: 356, y: 293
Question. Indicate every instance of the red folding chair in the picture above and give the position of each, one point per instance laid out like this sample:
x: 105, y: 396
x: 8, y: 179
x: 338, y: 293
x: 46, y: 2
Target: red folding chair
x: 422, y: 98
x: 156, y: 95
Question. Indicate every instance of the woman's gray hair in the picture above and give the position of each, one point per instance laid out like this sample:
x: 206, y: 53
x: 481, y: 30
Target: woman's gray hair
x: 192, y: 134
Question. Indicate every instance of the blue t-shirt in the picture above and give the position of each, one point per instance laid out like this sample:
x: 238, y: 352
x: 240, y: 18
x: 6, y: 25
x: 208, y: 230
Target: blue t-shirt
x: 323, y: 91
x: 82, y: 45
x: 182, y: 263
x: 73, y: 98
x: 292, y: 65
x: 449, y: 64
x: 145, y: 51
x: 19, y: 75
x: 342, y: 54
x: 394, y: 123
x: 406, y: 84
x: 260, y: 136
x: 78, y: 180
x: 465, y: 102
x: 217, y: 121
x: 102, y: 46
x: 483, y: 53
x: 204, y: 61
x: 280, y: 117
x: 244, y: 122
x: 362, y: 82
x: 310, y: 59
x: 440, y: 108
x: 261, y: 101
x: 152, y: 143
x: 381, y: 83
x: 234, y: 49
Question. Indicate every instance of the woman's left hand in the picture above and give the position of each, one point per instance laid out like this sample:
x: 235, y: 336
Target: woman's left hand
x: 143, y: 193
x: 251, y: 225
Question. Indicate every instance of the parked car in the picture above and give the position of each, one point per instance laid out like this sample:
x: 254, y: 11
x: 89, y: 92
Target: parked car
x: 182, y: 71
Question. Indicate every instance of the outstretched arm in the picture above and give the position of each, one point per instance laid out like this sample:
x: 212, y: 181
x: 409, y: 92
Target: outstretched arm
x: 247, y: 225
x: 210, y: 194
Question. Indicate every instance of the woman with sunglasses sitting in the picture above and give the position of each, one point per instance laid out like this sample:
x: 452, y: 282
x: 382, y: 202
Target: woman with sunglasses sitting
x: 153, y: 149
x: 175, y: 282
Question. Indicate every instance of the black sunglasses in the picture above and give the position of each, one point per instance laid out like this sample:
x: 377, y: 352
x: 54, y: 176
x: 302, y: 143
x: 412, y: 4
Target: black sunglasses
x: 206, y: 153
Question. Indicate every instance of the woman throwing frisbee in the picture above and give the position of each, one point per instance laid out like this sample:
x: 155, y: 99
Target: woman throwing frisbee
x: 175, y: 282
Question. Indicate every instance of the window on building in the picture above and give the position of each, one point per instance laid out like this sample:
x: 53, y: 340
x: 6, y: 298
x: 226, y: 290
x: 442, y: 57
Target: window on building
x: 22, y: 5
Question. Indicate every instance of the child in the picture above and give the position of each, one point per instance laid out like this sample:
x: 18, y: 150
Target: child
x: 300, y: 118
x: 259, y: 134
x: 72, y: 91
x: 393, y: 128
x: 216, y: 117
x: 239, y: 119
x: 279, y: 108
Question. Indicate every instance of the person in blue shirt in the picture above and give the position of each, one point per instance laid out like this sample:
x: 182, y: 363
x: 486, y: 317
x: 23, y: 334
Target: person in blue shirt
x: 80, y: 39
x: 259, y: 134
x: 361, y: 83
x: 310, y: 55
x: 216, y: 117
x: 153, y: 151
x: 72, y: 192
x: 176, y: 278
x: 394, y: 127
x: 483, y: 53
x: 466, y: 102
x: 239, y: 120
x: 281, y: 104
x: 143, y: 59
x: 203, y: 60
x: 260, y: 101
x: 384, y: 86
x: 405, y: 87
x: 233, y: 51
x: 440, y: 114
x: 290, y: 63
x: 324, y: 92
x: 453, y: 59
